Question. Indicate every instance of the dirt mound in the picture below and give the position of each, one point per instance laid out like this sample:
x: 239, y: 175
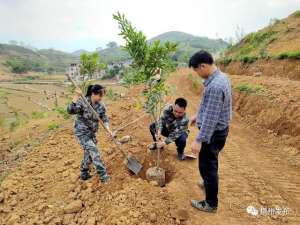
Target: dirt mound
x: 271, y: 68
x: 276, y: 109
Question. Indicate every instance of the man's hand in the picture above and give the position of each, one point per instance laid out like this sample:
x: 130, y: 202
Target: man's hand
x: 158, y: 135
x: 78, y: 92
x: 193, y: 120
x: 112, y: 133
x: 160, y: 144
x: 196, y: 147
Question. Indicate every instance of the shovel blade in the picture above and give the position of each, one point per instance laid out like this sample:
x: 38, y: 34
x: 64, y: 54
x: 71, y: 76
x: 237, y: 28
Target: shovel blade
x: 133, y: 165
x: 190, y: 156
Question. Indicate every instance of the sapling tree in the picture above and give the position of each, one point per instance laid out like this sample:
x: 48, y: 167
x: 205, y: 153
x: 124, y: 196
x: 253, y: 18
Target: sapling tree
x: 89, y: 65
x: 147, y: 58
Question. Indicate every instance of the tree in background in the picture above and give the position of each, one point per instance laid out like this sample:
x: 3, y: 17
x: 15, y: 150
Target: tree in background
x: 90, y: 64
x: 112, y: 44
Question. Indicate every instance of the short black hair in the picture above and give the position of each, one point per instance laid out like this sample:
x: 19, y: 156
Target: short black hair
x: 201, y: 57
x: 181, y: 102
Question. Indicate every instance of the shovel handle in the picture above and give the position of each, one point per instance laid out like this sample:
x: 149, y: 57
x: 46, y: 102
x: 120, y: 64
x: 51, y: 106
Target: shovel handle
x: 128, y: 124
x: 98, y: 118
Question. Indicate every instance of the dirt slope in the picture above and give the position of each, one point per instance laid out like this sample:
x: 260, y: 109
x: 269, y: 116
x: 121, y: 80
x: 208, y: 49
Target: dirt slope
x: 256, y: 168
x: 272, y: 51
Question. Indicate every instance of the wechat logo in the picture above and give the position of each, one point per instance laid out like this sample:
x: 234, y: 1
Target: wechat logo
x: 252, y: 210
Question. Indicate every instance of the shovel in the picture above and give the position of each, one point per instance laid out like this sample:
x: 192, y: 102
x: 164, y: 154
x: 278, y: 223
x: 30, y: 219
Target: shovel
x: 130, y: 161
x: 190, y: 156
x: 128, y: 124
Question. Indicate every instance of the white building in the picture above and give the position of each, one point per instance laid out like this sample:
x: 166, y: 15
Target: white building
x: 74, y: 72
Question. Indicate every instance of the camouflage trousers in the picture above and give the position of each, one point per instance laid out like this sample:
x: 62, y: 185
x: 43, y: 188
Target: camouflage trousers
x: 91, y: 155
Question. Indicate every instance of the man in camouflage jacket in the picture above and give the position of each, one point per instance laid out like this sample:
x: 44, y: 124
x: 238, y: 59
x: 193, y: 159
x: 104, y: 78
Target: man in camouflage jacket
x: 173, y: 125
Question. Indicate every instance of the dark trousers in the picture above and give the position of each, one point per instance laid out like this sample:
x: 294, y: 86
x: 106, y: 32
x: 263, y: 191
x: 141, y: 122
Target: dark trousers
x: 208, y: 165
x: 180, y: 142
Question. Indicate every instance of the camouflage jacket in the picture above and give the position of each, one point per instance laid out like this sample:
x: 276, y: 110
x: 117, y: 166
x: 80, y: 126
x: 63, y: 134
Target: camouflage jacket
x: 85, y: 122
x: 175, y: 126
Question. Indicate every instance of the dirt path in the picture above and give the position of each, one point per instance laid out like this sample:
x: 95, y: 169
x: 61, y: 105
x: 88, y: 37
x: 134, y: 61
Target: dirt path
x: 254, y: 171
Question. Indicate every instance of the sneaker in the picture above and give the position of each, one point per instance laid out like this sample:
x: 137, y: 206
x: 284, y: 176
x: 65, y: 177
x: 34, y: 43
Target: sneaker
x: 105, y: 179
x: 152, y: 146
x: 203, y: 206
x: 180, y: 157
x: 85, y: 176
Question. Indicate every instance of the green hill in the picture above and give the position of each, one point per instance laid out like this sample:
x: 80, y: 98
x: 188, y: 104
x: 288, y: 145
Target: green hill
x: 20, y: 59
x: 279, y: 40
x: 113, y: 54
x: 189, y: 44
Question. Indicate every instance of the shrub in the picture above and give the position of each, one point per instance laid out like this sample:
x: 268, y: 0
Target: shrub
x: 288, y: 55
x: 53, y: 126
x: 13, y: 125
x: 248, y: 59
x: 224, y: 61
x: 62, y: 111
x: 38, y: 115
x: 248, y: 88
x: 110, y: 95
x: 20, y: 65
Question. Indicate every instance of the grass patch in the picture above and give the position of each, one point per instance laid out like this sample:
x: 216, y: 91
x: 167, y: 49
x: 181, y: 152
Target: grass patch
x: 111, y: 95
x: 248, y: 59
x: 3, y: 176
x: 288, y: 55
x: 20, y: 119
x: 196, y: 83
x: 247, y: 49
x: 3, y: 93
x: 15, y: 124
x: 249, y: 88
x: 296, y: 14
x: 38, y: 115
x: 224, y: 61
x: 62, y: 111
x: 53, y: 126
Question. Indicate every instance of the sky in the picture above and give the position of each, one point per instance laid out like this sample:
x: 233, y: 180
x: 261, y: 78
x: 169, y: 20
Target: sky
x: 70, y: 25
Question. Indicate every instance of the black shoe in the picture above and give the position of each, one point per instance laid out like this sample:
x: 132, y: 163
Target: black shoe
x: 85, y: 176
x: 203, y: 206
x: 152, y: 146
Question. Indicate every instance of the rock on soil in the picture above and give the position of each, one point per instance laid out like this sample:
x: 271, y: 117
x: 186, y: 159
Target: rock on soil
x: 73, y: 207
